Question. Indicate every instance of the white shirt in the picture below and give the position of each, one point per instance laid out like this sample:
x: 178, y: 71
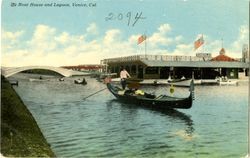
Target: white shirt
x: 124, y: 74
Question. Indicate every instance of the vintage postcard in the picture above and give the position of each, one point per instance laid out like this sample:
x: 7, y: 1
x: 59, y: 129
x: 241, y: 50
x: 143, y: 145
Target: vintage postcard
x: 123, y: 78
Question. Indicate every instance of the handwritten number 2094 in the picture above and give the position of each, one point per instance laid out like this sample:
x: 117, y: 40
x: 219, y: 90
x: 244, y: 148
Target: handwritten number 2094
x: 131, y: 21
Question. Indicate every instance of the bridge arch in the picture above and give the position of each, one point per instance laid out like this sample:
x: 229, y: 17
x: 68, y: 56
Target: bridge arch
x: 6, y: 72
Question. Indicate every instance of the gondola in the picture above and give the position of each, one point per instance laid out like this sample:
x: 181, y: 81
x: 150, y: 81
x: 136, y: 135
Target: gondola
x: 152, y: 101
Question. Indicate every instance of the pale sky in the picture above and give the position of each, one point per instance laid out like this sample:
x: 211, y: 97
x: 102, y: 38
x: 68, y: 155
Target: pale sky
x: 69, y: 35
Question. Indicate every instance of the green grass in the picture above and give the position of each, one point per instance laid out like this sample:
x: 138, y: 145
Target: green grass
x: 20, y: 134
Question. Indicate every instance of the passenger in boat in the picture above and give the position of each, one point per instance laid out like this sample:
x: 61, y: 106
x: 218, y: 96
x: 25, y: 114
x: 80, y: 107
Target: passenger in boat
x: 139, y: 92
x: 124, y: 75
x: 142, y: 93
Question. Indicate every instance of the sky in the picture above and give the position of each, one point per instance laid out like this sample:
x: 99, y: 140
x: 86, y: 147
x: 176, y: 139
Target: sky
x: 75, y: 32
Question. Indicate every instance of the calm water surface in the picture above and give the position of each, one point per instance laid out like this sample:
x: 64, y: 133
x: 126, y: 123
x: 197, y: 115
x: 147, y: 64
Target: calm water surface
x: 216, y: 125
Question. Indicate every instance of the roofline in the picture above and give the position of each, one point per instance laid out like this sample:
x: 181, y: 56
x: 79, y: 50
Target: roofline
x: 176, y: 61
x: 204, y: 64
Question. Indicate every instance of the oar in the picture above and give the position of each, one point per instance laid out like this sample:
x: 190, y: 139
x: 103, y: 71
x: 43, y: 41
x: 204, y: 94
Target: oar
x: 94, y: 93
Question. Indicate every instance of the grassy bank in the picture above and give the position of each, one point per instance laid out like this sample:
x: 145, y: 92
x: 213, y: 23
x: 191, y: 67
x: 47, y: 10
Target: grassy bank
x: 20, y: 134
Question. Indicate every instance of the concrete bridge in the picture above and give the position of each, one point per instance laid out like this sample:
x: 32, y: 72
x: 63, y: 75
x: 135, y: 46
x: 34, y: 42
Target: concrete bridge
x: 9, y: 71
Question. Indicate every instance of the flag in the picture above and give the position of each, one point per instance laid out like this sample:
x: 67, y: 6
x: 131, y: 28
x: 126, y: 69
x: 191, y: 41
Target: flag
x: 198, y: 42
x: 141, y: 39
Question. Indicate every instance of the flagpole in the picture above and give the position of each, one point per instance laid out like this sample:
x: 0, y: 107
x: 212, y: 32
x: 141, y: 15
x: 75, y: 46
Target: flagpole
x: 248, y: 110
x: 145, y: 44
x: 203, y: 44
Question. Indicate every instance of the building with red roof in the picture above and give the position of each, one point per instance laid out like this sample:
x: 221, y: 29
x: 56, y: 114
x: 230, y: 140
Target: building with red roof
x: 222, y: 56
x: 228, y: 72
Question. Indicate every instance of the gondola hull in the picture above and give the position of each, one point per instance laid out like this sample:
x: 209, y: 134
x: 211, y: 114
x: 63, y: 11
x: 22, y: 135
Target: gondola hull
x: 160, y: 102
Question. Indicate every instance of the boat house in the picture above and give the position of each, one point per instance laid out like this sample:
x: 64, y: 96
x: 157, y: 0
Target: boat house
x: 203, y: 66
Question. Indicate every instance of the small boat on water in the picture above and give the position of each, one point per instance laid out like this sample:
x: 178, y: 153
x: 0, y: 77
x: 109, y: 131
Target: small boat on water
x: 208, y: 82
x: 61, y: 79
x: 177, y: 80
x: 78, y: 81
x: 229, y: 82
x: 13, y: 82
x: 39, y: 80
x: 144, y: 99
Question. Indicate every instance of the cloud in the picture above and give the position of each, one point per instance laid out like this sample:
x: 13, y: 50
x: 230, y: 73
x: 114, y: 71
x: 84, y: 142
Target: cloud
x: 49, y: 46
x: 160, y: 37
x: 6, y: 35
x: 112, y: 36
x: 184, y: 49
x: 63, y: 38
x: 113, y: 44
x: 43, y: 33
x: 233, y: 49
x: 92, y: 29
x: 213, y: 46
x: 43, y: 39
x: 178, y: 38
x: 10, y: 39
x: 165, y: 28
x: 243, y: 38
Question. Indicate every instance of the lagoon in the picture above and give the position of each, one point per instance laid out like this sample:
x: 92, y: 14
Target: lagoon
x: 216, y: 125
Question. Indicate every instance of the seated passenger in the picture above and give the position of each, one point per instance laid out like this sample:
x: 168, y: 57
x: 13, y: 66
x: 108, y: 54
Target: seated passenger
x: 147, y: 95
x: 139, y: 92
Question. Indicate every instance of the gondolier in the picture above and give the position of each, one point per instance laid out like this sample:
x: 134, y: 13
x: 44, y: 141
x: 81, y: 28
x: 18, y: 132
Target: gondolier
x: 124, y: 75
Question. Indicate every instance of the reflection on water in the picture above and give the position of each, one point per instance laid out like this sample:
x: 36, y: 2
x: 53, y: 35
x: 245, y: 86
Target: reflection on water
x: 172, y: 113
x: 101, y: 126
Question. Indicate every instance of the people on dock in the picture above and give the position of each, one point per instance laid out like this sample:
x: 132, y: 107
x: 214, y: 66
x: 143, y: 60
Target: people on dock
x: 124, y: 75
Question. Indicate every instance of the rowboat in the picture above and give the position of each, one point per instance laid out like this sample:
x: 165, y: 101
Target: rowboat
x: 229, y: 82
x: 78, y: 81
x: 145, y: 99
x: 39, y: 80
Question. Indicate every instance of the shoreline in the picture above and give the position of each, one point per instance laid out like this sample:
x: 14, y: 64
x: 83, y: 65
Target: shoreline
x: 20, y: 134
x: 187, y: 82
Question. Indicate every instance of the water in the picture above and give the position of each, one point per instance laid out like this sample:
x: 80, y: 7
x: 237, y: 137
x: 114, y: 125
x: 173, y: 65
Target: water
x: 101, y: 126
